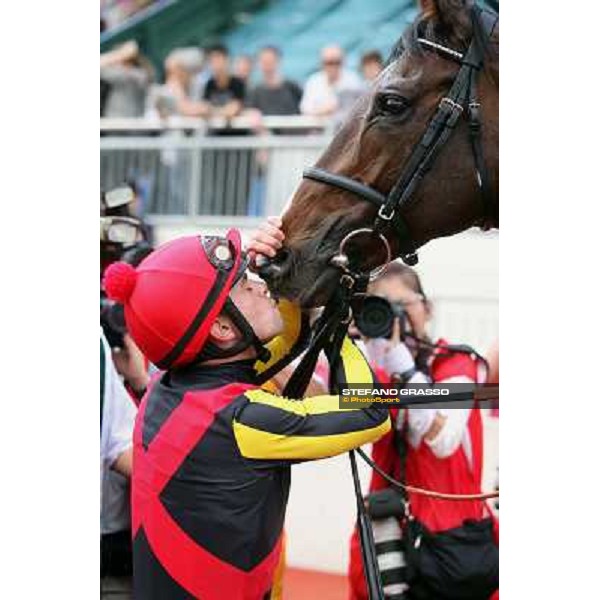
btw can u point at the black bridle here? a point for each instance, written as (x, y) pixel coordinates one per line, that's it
(460, 99)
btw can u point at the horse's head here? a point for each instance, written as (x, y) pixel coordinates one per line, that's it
(374, 146)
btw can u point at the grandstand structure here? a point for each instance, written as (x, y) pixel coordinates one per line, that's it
(299, 27)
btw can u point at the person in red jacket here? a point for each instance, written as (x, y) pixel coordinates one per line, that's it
(212, 449)
(444, 447)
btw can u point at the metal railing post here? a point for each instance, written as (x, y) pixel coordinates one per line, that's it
(195, 174)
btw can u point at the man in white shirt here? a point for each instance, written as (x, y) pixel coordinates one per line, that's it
(117, 416)
(333, 89)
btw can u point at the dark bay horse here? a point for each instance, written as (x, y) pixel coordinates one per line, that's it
(375, 147)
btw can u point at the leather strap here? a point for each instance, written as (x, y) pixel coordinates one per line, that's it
(345, 183)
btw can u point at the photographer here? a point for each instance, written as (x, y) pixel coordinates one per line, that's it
(439, 449)
(123, 236)
(117, 415)
(123, 380)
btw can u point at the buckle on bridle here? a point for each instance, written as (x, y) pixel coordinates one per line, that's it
(454, 106)
(383, 215)
(474, 116)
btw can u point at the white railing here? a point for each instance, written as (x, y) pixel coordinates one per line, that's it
(189, 173)
(293, 122)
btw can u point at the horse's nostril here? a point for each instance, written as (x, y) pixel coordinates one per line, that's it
(271, 269)
(282, 256)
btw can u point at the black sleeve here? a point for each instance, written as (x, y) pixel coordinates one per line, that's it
(296, 91)
(208, 89)
(238, 88)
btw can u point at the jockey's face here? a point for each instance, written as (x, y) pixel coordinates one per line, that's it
(253, 300)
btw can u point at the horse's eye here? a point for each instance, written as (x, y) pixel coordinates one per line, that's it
(392, 104)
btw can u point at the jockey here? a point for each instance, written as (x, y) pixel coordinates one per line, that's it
(212, 449)
(443, 447)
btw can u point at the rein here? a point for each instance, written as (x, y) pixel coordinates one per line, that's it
(422, 491)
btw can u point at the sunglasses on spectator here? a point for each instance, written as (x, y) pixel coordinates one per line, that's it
(332, 63)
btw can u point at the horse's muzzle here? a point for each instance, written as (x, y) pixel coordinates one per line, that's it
(273, 270)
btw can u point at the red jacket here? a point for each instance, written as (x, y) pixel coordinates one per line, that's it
(453, 474)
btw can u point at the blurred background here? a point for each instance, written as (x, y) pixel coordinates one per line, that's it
(209, 112)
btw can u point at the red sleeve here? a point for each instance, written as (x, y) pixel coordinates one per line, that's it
(385, 455)
(454, 365)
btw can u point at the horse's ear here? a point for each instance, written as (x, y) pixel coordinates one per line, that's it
(428, 8)
(452, 17)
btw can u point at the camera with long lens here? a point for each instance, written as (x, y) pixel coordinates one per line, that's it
(376, 317)
(112, 316)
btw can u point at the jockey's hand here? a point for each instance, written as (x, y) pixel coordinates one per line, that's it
(266, 241)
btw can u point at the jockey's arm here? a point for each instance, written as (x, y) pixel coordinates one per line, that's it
(269, 428)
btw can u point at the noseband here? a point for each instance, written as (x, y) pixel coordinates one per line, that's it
(461, 99)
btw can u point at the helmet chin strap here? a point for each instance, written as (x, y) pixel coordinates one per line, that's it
(249, 338)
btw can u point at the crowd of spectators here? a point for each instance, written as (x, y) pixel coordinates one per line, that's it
(209, 82)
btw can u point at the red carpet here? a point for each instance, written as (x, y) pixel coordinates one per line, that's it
(300, 584)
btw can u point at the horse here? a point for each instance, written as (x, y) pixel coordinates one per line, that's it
(405, 159)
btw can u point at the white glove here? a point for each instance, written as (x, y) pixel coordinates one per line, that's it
(376, 349)
(391, 357)
(398, 359)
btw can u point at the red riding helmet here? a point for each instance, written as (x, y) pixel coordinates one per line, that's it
(174, 296)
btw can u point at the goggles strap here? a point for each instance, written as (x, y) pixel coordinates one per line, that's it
(249, 338)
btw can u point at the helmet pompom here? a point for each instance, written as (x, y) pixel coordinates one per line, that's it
(119, 281)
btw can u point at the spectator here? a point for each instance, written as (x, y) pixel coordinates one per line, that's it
(274, 95)
(224, 92)
(128, 76)
(173, 97)
(332, 89)
(243, 67)
(200, 78)
(117, 416)
(371, 64)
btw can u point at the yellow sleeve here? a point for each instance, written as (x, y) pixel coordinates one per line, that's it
(269, 427)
